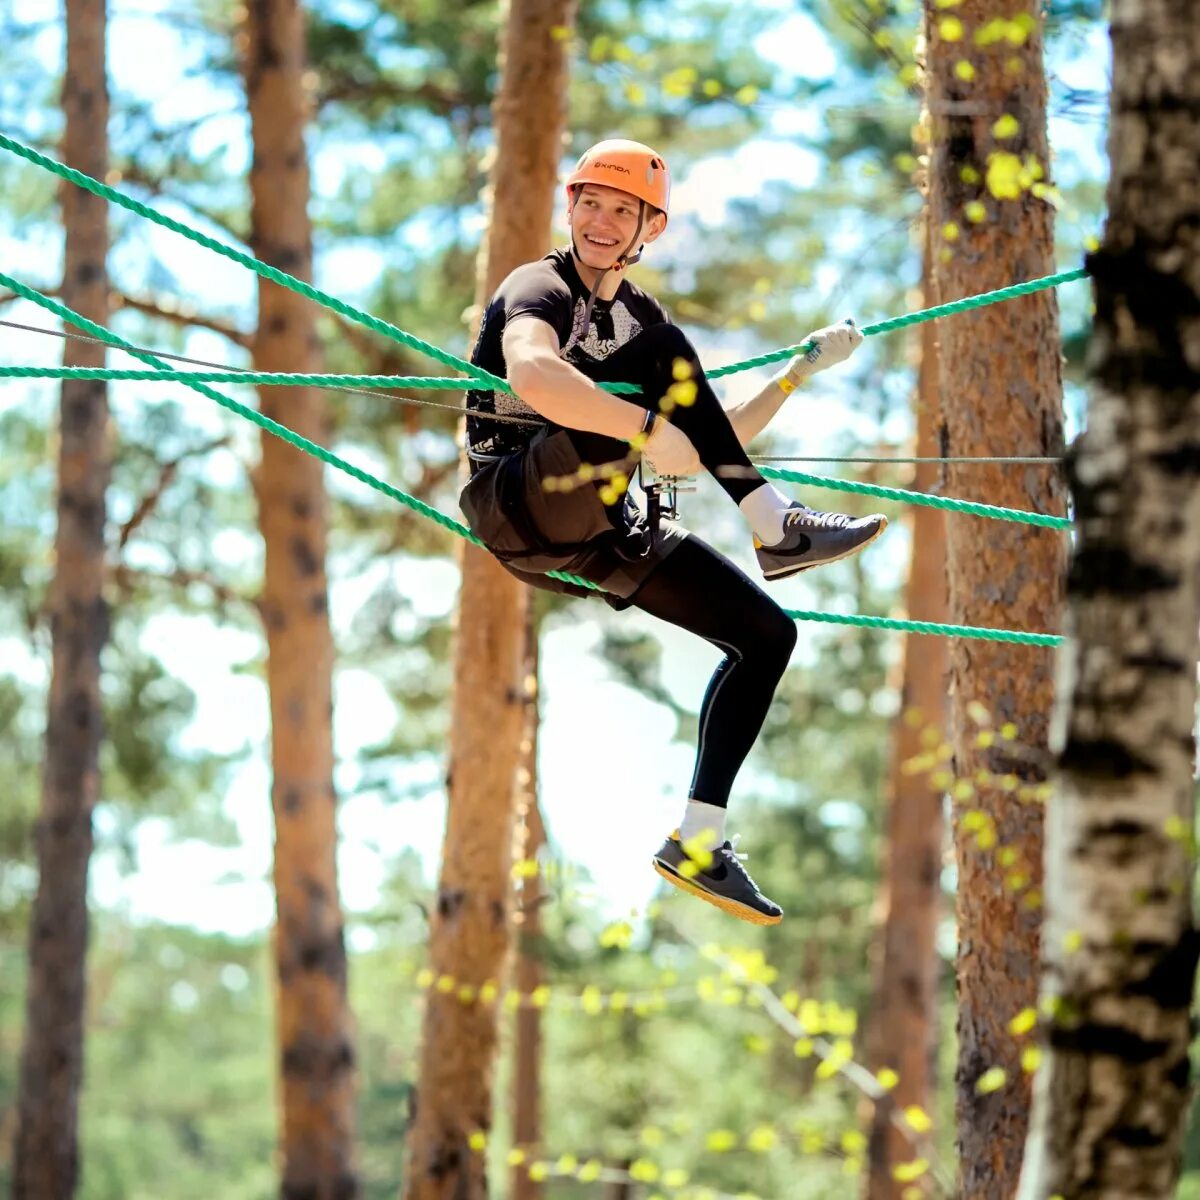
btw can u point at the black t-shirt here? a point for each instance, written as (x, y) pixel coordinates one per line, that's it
(551, 290)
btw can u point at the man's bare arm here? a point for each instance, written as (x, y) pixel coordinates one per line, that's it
(557, 390)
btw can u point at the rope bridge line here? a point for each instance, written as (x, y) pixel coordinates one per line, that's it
(328, 457)
(243, 373)
(198, 382)
(477, 374)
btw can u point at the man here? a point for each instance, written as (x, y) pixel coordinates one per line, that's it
(547, 488)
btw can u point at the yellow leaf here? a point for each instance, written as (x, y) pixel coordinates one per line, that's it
(1003, 174)
(721, 1140)
(968, 174)
(1031, 1059)
(951, 29)
(1007, 126)
(515, 1157)
(477, 1140)
(566, 1164)
(643, 1170)
(803, 1048)
(950, 231)
(918, 1119)
(1023, 1022)
(746, 95)
(539, 1171)
(907, 1172)
(590, 1171)
(761, 1139)
(887, 1078)
(1072, 941)
(675, 1178)
(992, 1080)
(965, 70)
(853, 1142)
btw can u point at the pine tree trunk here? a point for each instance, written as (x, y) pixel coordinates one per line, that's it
(529, 974)
(470, 935)
(46, 1154)
(316, 1054)
(1000, 371)
(1121, 949)
(904, 1022)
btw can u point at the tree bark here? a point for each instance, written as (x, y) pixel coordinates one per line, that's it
(529, 973)
(1121, 948)
(46, 1154)
(1001, 385)
(904, 1022)
(470, 935)
(316, 1053)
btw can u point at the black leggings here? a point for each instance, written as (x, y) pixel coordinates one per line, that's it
(701, 591)
(648, 360)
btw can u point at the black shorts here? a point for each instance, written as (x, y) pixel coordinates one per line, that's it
(532, 530)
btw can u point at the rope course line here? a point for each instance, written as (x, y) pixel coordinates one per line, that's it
(334, 460)
(991, 511)
(394, 333)
(876, 459)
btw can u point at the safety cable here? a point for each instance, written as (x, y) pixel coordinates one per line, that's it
(58, 373)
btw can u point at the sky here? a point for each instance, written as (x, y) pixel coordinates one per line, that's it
(608, 819)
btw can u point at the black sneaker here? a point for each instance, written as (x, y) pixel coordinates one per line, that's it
(812, 538)
(718, 877)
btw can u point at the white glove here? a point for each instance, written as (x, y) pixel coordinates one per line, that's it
(831, 345)
(669, 451)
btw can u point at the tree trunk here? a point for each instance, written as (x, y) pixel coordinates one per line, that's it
(904, 1024)
(46, 1154)
(316, 1054)
(1000, 371)
(1121, 949)
(469, 938)
(529, 973)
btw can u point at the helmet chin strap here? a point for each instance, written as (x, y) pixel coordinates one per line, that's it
(624, 259)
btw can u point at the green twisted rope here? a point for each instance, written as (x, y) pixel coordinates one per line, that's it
(388, 330)
(456, 527)
(256, 265)
(992, 511)
(917, 317)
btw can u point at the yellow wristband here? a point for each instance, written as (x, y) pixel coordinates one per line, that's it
(786, 385)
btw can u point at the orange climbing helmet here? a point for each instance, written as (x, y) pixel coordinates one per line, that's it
(628, 166)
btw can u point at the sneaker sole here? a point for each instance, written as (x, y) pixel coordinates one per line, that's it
(784, 572)
(732, 907)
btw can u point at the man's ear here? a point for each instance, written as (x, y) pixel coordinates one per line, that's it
(654, 226)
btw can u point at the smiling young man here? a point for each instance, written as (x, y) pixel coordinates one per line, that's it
(554, 329)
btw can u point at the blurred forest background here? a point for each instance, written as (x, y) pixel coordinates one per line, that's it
(675, 1050)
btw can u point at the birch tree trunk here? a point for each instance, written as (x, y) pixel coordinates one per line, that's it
(904, 1021)
(316, 1054)
(1121, 948)
(46, 1153)
(471, 935)
(1001, 385)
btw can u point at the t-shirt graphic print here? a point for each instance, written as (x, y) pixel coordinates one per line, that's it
(550, 290)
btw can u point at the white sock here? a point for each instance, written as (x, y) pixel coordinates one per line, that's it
(763, 509)
(700, 818)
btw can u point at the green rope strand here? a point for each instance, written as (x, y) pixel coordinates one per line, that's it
(992, 511)
(916, 318)
(396, 334)
(249, 261)
(233, 375)
(249, 414)
(456, 527)
(963, 631)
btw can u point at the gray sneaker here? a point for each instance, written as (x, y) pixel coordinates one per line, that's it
(719, 878)
(812, 538)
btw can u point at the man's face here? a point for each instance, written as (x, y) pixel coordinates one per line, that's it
(604, 221)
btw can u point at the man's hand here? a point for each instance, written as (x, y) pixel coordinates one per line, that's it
(669, 451)
(831, 345)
